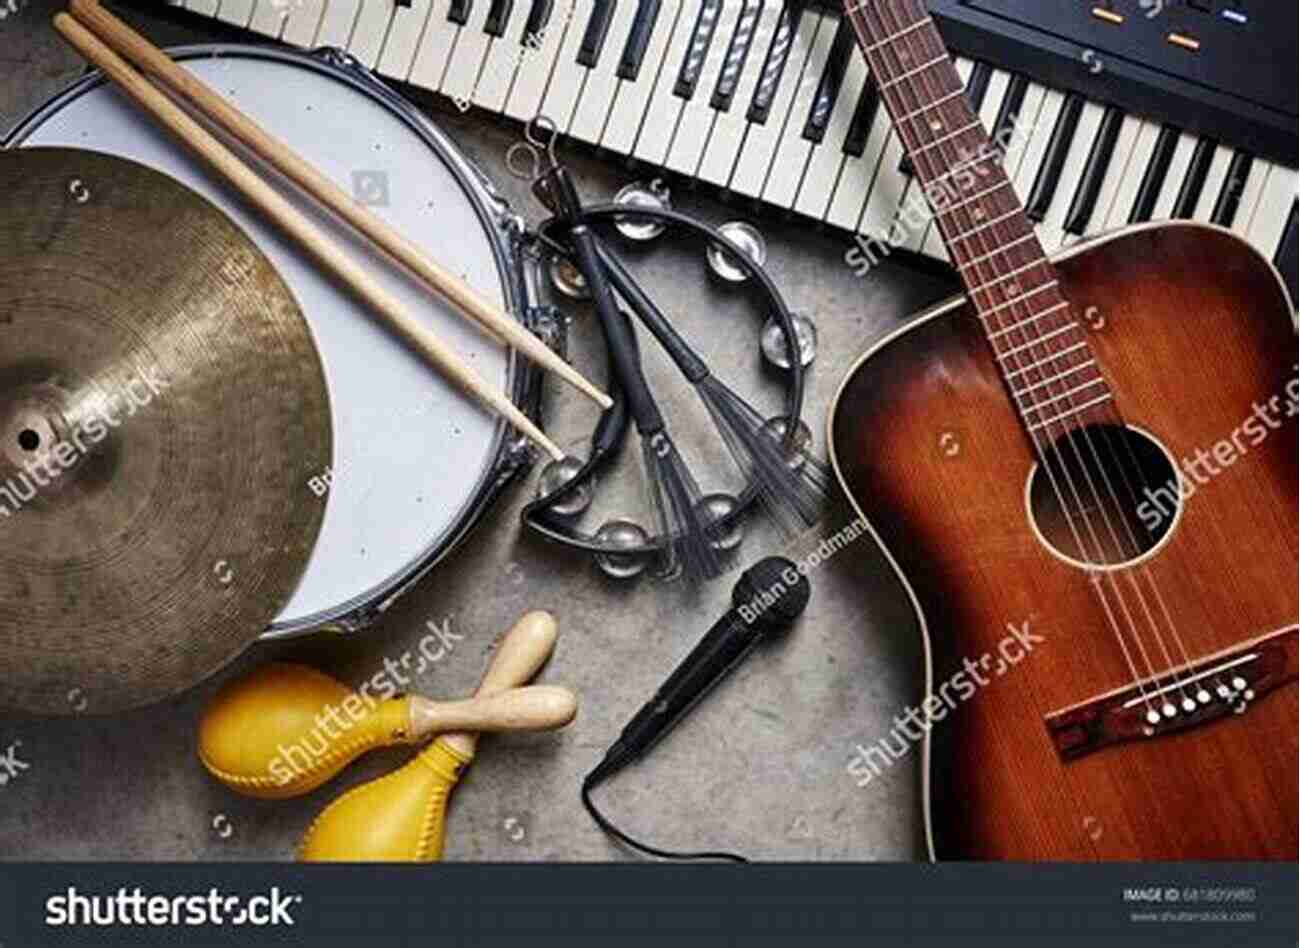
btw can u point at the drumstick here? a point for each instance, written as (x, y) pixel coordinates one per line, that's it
(153, 61)
(296, 225)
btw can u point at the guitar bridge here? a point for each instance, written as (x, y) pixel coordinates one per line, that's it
(1223, 684)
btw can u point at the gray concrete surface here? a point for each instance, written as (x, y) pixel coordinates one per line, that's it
(759, 768)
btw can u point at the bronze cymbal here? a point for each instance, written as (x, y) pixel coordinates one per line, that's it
(162, 409)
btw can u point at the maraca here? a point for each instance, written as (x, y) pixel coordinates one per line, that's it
(401, 817)
(286, 729)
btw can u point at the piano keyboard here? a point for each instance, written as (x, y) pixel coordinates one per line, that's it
(773, 101)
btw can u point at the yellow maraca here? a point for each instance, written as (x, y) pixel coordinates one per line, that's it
(285, 729)
(401, 817)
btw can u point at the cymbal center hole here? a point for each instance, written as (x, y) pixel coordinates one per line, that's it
(29, 440)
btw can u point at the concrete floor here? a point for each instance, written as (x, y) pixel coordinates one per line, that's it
(759, 768)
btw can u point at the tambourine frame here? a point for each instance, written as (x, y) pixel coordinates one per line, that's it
(612, 428)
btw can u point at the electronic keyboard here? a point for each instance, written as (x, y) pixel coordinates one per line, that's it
(1111, 113)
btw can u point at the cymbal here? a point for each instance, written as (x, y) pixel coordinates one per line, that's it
(162, 409)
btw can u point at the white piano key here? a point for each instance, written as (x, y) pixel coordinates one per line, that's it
(435, 48)
(1177, 173)
(786, 171)
(568, 75)
(697, 116)
(632, 98)
(602, 84)
(880, 211)
(828, 157)
(1114, 179)
(1214, 179)
(1122, 206)
(409, 24)
(663, 109)
(859, 174)
(303, 25)
(1035, 148)
(206, 8)
(270, 17)
(1250, 198)
(524, 100)
(1051, 230)
(761, 141)
(506, 56)
(336, 26)
(1273, 210)
(468, 55)
(729, 126)
(370, 31)
(1017, 143)
(236, 12)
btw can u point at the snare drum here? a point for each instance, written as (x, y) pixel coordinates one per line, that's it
(416, 462)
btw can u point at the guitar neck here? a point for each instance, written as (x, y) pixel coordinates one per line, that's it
(1041, 350)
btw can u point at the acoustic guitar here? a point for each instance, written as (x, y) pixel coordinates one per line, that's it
(1084, 474)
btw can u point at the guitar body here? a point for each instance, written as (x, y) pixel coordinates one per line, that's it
(1193, 329)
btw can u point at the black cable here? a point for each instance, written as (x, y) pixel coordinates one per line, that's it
(615, 760)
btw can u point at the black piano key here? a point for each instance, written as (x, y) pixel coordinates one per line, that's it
(706, 23)
(1004, 127)
(828, 88)
(1225, 208)
(1189, 195)
(538, 18)
(1154, 177)
(1094, 172)
(778, 54)
(643, 26)
(497, 18)
(1285, 260)
(977, 87)
(1058, 148)
(864, 116)
(459, 11)
(593, 40)
(737, 52)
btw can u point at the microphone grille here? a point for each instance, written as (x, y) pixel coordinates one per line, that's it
(773, 591)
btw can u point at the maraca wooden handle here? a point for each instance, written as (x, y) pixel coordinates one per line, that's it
(535, 708)
(522, 653)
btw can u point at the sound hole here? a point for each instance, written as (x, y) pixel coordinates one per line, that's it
(1105, 496)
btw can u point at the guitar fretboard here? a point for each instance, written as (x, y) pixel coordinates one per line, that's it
(1041, 349)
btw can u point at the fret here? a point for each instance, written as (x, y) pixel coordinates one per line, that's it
(975, 197)
(951, 135)
(888, 39)
(1049, 358)
(1003, 356)
(1024, 322)
(1003, 249)
(933, 105)
(1054, 380)
(1015, 212)
(914, 72)
(1038, 426)
(1006, 276)
(1039, 406)
(985, 314)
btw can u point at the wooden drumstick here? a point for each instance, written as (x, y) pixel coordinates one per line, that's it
(297, 226)
(286, 729)
(149, 58)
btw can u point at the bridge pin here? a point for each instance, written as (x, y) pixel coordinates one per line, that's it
(1153, 716)
(1249, 694)
(1224, 692)
(1169, 710)
(1189, 705)
(1239, 683)
(1203, 696)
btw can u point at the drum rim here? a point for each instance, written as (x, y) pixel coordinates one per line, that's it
(504, 459)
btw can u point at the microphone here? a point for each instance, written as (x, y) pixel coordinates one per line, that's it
(768, 597)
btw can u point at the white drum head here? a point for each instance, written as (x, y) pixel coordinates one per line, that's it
(412, 454)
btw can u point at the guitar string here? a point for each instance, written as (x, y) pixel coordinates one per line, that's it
(907, 29)
(1172, 668)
